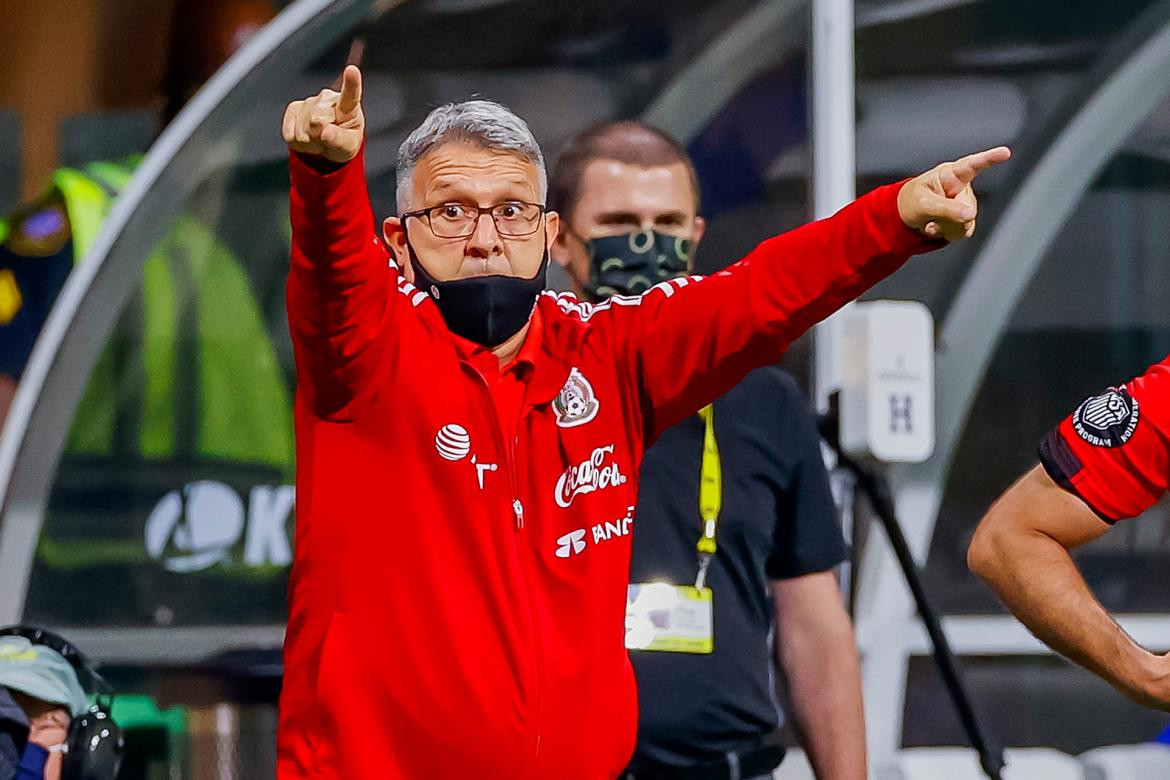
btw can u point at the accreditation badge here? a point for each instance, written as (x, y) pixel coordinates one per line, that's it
(669, 618)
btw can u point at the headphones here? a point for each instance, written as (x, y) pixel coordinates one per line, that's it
(94, 745)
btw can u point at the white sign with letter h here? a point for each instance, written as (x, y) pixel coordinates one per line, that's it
(887, 388)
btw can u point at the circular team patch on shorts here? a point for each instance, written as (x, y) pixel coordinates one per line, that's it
(1107, 420)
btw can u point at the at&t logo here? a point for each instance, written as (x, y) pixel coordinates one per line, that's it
(453, 443)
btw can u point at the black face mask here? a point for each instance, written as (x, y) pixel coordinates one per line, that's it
(488, 310)
(632, 263)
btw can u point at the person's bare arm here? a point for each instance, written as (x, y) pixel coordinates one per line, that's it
(1021, 549)
(815, 648)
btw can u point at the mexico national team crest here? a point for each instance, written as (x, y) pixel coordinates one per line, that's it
(1107, 420)
(575, 404)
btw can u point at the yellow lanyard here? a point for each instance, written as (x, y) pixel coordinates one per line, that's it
(710, 494)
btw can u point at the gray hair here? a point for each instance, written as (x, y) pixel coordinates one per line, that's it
(480, 122)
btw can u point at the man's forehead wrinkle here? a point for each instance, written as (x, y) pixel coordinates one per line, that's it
(451, 182)
(472, 159)
(480, 173)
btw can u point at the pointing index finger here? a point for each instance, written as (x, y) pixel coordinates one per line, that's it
(967, 168)
(351, 90)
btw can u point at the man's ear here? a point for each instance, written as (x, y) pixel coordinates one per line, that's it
(700, 229)
(697, 236)
(395, 237)
(558, 247)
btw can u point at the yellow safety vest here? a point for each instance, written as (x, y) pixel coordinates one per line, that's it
(240, 409)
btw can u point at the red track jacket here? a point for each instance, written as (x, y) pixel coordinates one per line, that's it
(457, 600)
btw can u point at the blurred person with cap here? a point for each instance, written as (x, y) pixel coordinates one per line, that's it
(468, 446)
(739, 491)
(40, 694)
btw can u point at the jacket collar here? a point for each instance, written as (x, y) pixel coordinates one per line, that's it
(550, 339)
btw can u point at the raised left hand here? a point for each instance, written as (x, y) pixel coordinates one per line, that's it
(940, 203)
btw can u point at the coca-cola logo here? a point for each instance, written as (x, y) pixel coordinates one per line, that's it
(589, 475)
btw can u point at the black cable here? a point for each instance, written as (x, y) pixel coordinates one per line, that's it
(876, 489)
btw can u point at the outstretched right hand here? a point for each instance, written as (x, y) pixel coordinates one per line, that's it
(330, 124)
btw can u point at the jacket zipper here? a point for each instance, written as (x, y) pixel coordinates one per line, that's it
(518, 513)
(540, 671)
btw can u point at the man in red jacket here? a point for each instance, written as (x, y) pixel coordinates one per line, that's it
(467, 446)
(1106, 462)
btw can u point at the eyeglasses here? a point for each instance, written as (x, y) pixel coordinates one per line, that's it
(456, 220)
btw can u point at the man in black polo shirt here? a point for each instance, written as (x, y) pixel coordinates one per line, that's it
(705, 653)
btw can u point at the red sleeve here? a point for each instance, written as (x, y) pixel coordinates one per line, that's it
(1114, 451)
(688, 341)
(340, 285)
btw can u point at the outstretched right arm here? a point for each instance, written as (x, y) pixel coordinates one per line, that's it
(341, 279)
